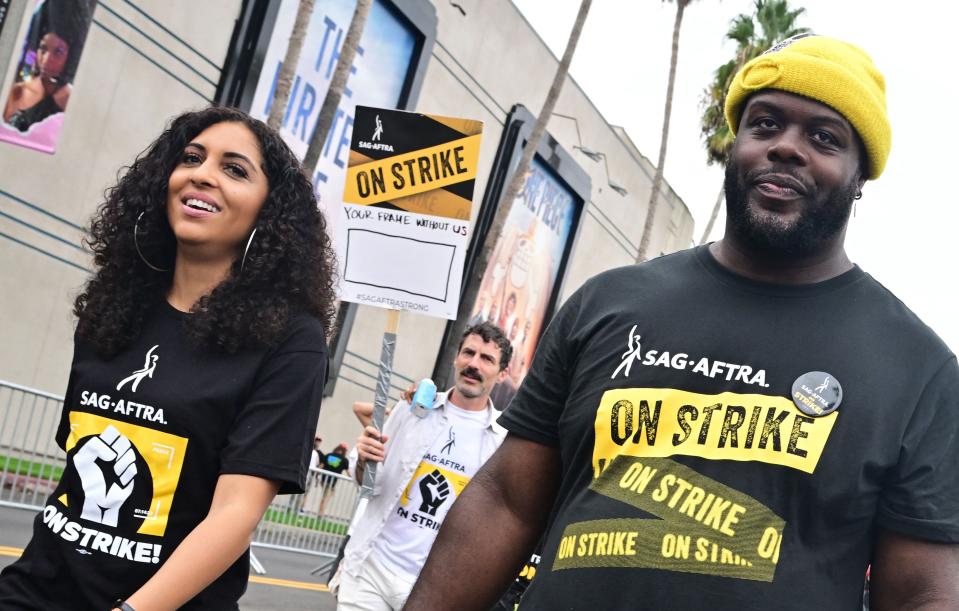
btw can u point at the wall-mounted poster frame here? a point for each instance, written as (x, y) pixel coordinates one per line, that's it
(527, 269)
(4, 13)
(398, 42)
(45, 65)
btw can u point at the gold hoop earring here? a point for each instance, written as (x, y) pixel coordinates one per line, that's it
(136, 245)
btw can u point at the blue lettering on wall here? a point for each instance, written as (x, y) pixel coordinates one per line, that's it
(546, 199)
(330, 27)
(303, 105)
(377, 79)
(307, 102)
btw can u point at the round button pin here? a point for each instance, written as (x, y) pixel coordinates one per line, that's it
(817, 393)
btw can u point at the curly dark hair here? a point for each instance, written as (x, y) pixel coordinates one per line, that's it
(490, 332)
(290, 267)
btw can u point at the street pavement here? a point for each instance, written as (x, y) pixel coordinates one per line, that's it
(286, 586)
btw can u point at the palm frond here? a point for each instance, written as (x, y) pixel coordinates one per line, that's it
(776, 21)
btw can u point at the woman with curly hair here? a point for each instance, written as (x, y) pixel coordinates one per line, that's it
(199, 364)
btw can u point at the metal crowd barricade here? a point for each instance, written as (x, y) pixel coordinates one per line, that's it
(314, 522)
(31, 465)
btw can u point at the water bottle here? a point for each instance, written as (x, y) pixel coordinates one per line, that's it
(423, 398)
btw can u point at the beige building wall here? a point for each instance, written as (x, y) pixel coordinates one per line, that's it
(136, 74)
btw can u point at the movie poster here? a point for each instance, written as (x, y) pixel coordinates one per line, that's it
(523, 270)
(379, 72)
(35, 105)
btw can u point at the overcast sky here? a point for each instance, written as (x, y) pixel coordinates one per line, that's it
(904, 231)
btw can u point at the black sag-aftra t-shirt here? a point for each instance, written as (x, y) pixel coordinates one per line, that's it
(697, 471)
(147, 433)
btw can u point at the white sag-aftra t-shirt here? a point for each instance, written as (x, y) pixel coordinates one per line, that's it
(443, 472)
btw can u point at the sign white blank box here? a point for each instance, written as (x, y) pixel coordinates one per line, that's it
(394, 262)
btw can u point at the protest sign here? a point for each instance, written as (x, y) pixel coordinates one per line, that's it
(402, 236)
(385, 60)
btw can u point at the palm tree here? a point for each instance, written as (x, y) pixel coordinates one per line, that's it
(776, 22)
(333, 95)
(337, 84)
(512, 190)
(642, 255)
(284, 81)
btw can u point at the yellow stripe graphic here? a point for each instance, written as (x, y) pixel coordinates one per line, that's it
(163, 453)
(411, 173)
(664, 422)
(467, 127)
(703, 526)
(356, 158)
(457, 480)
(438, 202)
(288, 583)
(16, 552)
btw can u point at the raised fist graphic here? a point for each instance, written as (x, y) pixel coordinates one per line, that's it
(435, 489)
(102, 504)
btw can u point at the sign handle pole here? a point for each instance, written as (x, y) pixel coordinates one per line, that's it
(382, 392)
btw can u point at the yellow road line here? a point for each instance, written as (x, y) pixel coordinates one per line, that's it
(270, 581)
(287, 583)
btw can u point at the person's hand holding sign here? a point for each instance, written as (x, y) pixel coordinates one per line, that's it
(371, 445)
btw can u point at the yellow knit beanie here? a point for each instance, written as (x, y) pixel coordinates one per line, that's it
(827, 70)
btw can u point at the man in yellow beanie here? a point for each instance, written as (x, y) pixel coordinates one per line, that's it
(741, 426)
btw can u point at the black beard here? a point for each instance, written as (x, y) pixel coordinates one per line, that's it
(823, 217)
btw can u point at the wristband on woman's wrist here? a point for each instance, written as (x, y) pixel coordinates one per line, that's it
(123, 605)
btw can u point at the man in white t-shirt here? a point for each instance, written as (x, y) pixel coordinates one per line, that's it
(428, 457)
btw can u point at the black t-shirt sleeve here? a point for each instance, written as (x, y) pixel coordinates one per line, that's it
(272, 434)
(63, 428)
(535, 410)
(921, 495)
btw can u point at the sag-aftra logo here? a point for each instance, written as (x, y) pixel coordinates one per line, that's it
(710, 368)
